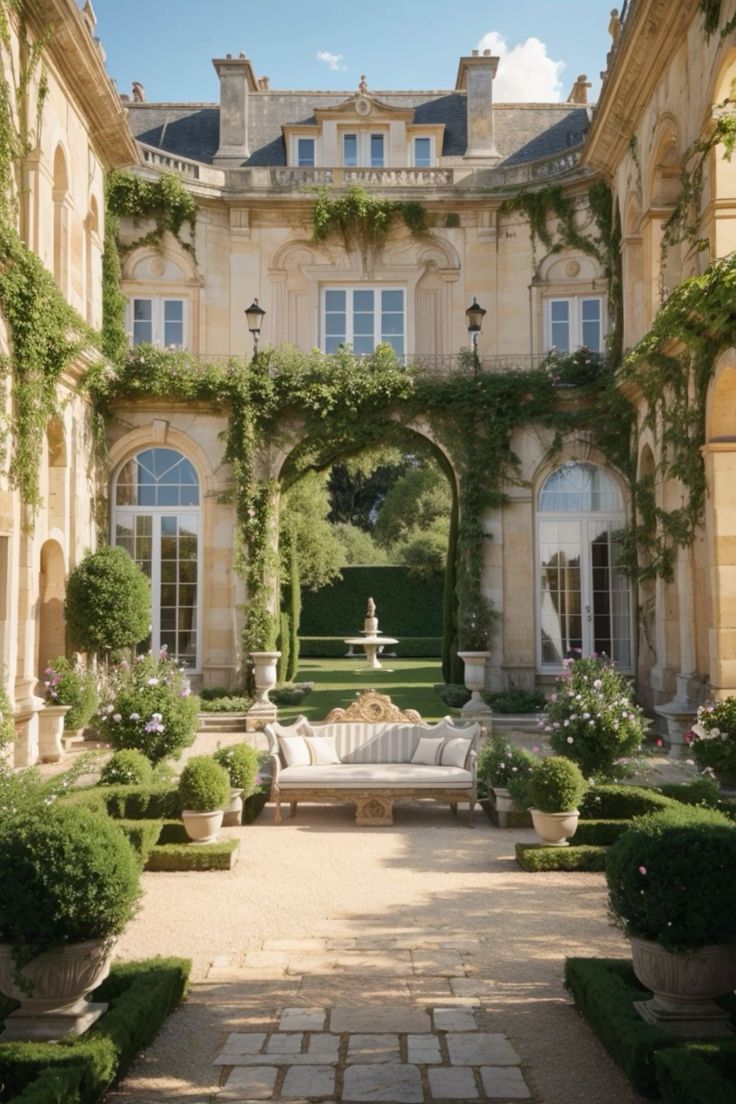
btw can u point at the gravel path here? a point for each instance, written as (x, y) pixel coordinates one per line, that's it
(428, 885)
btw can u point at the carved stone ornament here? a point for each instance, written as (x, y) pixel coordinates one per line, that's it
(371, 706)
(363, 106)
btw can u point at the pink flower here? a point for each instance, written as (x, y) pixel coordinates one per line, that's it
(642, 870)
(660, 742)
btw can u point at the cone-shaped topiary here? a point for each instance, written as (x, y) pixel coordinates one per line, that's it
(556, 785)
(128, 767)
(68, 875)
(204, 785)
(671, 878)
(241, 763)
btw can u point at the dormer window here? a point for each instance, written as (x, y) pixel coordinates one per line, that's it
(422, 153)
(305, 152)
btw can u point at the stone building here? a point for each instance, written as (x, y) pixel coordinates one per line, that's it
(253, 161)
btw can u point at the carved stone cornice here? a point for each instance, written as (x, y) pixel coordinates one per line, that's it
(650, 38)
(77, 58)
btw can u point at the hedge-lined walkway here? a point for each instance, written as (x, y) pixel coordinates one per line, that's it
(397, 924)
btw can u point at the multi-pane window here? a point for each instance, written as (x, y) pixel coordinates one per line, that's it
(584, 596)
(574, 322)
(305, 152)
(157, 521)
(158, 322)
(363, 149)
(350, 150)
(363, 318)
(422, 153)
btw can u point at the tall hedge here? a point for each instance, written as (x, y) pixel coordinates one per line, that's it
(406, 605)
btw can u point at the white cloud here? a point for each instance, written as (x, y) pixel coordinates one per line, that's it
(525, 72)
(332, 61)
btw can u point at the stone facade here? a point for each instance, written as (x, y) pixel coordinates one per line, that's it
(251, 161)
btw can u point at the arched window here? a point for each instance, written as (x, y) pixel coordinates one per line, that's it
(584, 598)
(156, 518)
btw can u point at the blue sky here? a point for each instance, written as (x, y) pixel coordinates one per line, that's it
(168, 44)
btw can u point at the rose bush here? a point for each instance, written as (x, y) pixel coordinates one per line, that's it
(592, 718)
(148, 705)
(713, 739)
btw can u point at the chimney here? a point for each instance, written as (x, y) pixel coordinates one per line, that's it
(475, 77)
(236, 81)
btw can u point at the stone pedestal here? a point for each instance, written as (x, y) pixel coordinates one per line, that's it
(680, 714)
(475, 680)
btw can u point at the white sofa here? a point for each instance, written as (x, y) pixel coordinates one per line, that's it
(368, 754)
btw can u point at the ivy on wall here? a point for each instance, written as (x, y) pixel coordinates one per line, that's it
(363, 220)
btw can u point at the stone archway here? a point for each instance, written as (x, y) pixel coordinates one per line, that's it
(51, 620)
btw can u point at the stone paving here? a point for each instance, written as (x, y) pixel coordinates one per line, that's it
(432, 1045)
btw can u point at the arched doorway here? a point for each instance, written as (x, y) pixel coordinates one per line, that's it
(157, 520)
(584, 599)
(51, 622)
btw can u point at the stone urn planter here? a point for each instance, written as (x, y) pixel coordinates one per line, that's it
(202, 827)
(475, 680)
(554, 829)
(265, 675)
(234, 811)
(51, 733)
(685, 986)
(59, 982)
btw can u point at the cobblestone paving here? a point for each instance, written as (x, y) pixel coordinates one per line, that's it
(426, 1044)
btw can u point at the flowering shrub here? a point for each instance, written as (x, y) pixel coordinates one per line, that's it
(68, 684)
(713, 741)
(500, 764)
(578, 369)
(127, 767)
(148, 705)
(671, 877)
(591, 717)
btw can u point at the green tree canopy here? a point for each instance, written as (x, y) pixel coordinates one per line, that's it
(415, 502)
(108, 602)
(304, 511)
(358, 546)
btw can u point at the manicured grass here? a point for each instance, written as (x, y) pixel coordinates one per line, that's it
(408, 682)
(175, 852)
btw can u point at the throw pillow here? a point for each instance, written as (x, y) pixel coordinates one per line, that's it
(294, 750)
(455, 752)
(428, 750)
(322, 750)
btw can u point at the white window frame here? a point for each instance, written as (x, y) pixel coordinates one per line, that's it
(157, 318)
(432, 155)
(349, 290)
(363, 147)
(575, 323)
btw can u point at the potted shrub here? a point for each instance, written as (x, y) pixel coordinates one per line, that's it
(70, 885)
(713, 739)
(241, 763)
(504, 772)
(671, 889)
(555, 790)
(127, 768)
(591, 717)
(204, 791)
(148, 705)
(67, 683)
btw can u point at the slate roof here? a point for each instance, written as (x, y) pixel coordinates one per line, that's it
(523, 132)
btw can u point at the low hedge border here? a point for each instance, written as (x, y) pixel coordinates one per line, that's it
(174, 852)
(334, 647)
(141, 996)
(619, 802)
(157, 802)
(535, 858)
(143, 835)
(600, 833)
(697, 1073)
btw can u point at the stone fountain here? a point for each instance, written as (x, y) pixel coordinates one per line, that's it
(371, 639)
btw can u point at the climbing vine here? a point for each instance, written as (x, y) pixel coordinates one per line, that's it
(362, 219)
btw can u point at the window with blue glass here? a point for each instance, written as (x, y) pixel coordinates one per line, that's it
(363, 318)
(574, 322)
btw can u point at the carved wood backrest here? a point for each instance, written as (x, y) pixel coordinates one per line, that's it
(375, 708)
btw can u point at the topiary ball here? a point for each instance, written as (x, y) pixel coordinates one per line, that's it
(127, 768)
(67, 875)
(671, 878)
(241, 763)
(204, 786)
(556, 785)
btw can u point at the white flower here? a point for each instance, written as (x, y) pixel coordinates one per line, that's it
(117, 717)
(152, 681)
(135, 716)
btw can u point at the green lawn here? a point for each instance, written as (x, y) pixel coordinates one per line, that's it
(408, 682)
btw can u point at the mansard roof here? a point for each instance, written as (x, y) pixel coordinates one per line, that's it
(523, 132)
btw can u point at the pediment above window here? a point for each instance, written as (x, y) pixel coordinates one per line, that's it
(364, 107)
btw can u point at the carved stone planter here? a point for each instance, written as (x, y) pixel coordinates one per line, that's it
(554, 829)
(685, 986)
(51, 733)
(60, 981)
(475, 680)
(202, 827)
(265, 675)
(234, 811)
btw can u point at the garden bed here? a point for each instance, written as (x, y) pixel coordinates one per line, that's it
(605, 991)
(174, 851)
(535, 858)
(79, 1071)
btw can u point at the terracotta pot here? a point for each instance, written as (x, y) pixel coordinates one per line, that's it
(59, 982)
(554, 829)
(685, 985)
(234, 811)
(202, 827)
